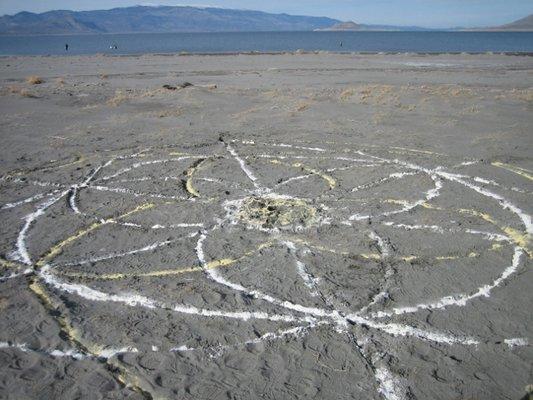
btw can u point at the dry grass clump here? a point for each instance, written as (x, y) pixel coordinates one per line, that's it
(406, 107)
(372, 94)
(302, 106)
(346, 94)
(244, 113)
(28, 94)
(274, 93)
(299, 107)
(21, 91)
(153, 93)
(119, 98)
(447, 91)
(170, 113)
(34, 80)
(378, 95)
(366, 94)
(379, 118)
(13, 89)
(122, 96)
(470, 110)
(522, 94)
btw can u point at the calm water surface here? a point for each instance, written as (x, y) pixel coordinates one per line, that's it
(434, 42)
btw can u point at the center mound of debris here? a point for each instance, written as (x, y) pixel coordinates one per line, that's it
(276, 212)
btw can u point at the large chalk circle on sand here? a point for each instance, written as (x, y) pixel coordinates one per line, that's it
(223, 250)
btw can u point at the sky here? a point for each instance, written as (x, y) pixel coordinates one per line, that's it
(428, 13)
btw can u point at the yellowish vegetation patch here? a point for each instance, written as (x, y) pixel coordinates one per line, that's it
(13, 89)
(346, 94)
(21, 91)
(119, 98)
(175, 112)
(27, 93)
(302, 106)
(34, 80)
(447, 91)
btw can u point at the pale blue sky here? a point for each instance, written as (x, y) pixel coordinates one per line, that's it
(430, 13)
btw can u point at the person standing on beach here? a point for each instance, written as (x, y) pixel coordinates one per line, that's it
(66, 46)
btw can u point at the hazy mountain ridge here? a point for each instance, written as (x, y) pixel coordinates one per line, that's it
(524, 24)
(157, 19)
(521, 25)
(165, 19)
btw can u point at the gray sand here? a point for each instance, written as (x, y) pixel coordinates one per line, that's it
(288, 227)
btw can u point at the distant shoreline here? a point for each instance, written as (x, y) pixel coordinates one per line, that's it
(278, 53)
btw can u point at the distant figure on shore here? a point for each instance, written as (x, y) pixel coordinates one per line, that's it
(66, 46)
(341, 44)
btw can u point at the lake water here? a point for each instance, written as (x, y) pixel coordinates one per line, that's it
(419, 42)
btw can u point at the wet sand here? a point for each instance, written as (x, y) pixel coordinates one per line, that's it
(285, 227)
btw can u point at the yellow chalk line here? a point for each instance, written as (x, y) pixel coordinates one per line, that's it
(79, 159)
(58, 248)
(64, 324)
(223, 262)
(379, 257)
(522, 239)
(121, 373)
(407, 203)
(415, 151)
(190, 173)
(397, 201)
(517, 170)
(429, 206)
(9, 264)
(329, 179)
(198, 165)
(319, 247)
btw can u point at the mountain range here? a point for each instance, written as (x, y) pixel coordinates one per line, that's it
(524, 24)
(164, 19)
(157, 19)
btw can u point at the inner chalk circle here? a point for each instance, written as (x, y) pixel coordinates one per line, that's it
(276, 212)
